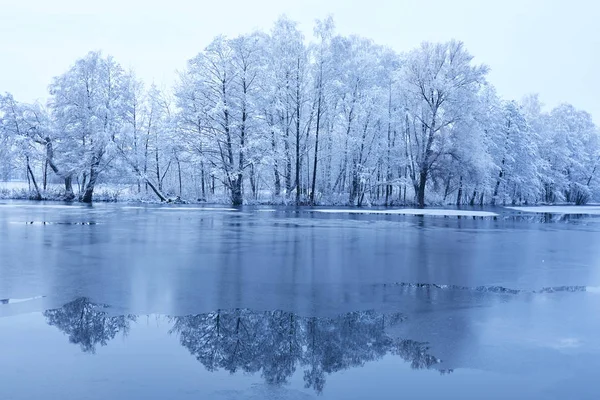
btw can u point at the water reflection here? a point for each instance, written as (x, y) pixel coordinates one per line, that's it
(274, 344)
(88, 324)
(549, 218)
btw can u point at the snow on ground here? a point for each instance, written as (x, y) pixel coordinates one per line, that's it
(196, 209)
(560, 209)
(412, 211)
(41, 205)
(11, 301)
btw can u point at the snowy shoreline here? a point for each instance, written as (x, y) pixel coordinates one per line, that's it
(186, 205)
(562, 209)
(412, 211)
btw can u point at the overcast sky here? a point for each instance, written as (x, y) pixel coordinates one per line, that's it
(550, 47)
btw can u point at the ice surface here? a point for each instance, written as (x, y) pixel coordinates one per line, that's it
(13, 301)
(507, 298)
(40, 206)
(196, 209)
(412, 211)
(560, 209)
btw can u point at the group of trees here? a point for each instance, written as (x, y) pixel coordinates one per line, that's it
(274, 117)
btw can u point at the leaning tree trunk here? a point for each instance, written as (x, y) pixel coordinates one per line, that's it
(69, 195)
(38, 194)
(91, 183)
(142, 175)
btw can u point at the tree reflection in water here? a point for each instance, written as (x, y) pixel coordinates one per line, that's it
(277, 343)
(274, 343)
(87, 324)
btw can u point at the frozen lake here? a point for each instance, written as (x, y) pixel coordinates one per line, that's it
(187, 302)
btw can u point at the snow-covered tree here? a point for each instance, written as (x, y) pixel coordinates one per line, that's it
(88, 107)
(441, 83)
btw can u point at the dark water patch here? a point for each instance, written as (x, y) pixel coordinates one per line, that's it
(549, 218)
(84, 223)
(555, 289)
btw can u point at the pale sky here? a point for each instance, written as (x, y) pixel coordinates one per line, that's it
(550, 47)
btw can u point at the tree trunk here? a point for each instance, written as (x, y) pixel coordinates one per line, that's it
(179, 176)
(288, 170)
(288, 157)
(38, 195)
(298, 133)
(156, 158)
(460, 192)
(46, 175)
(314, 175)
(404, 185)
(28, 178)
(277, 179)
(236, 191)
(69, 195)
(275, 163)
(472, 201)
(497, 187)
(203, 180)
(146, 154)
(421, 189)
(253, 182)
(89, 187)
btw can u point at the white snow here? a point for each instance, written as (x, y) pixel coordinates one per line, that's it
(12, 301)
(167, 208)
(413, 211)
(44, 206)
(196, 209)
(560, 209)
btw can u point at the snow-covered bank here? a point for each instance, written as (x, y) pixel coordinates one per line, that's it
(12, 301)
(413, 211)
(178, 208)
(589, 210)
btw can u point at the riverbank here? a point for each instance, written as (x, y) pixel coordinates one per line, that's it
(128, 194)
